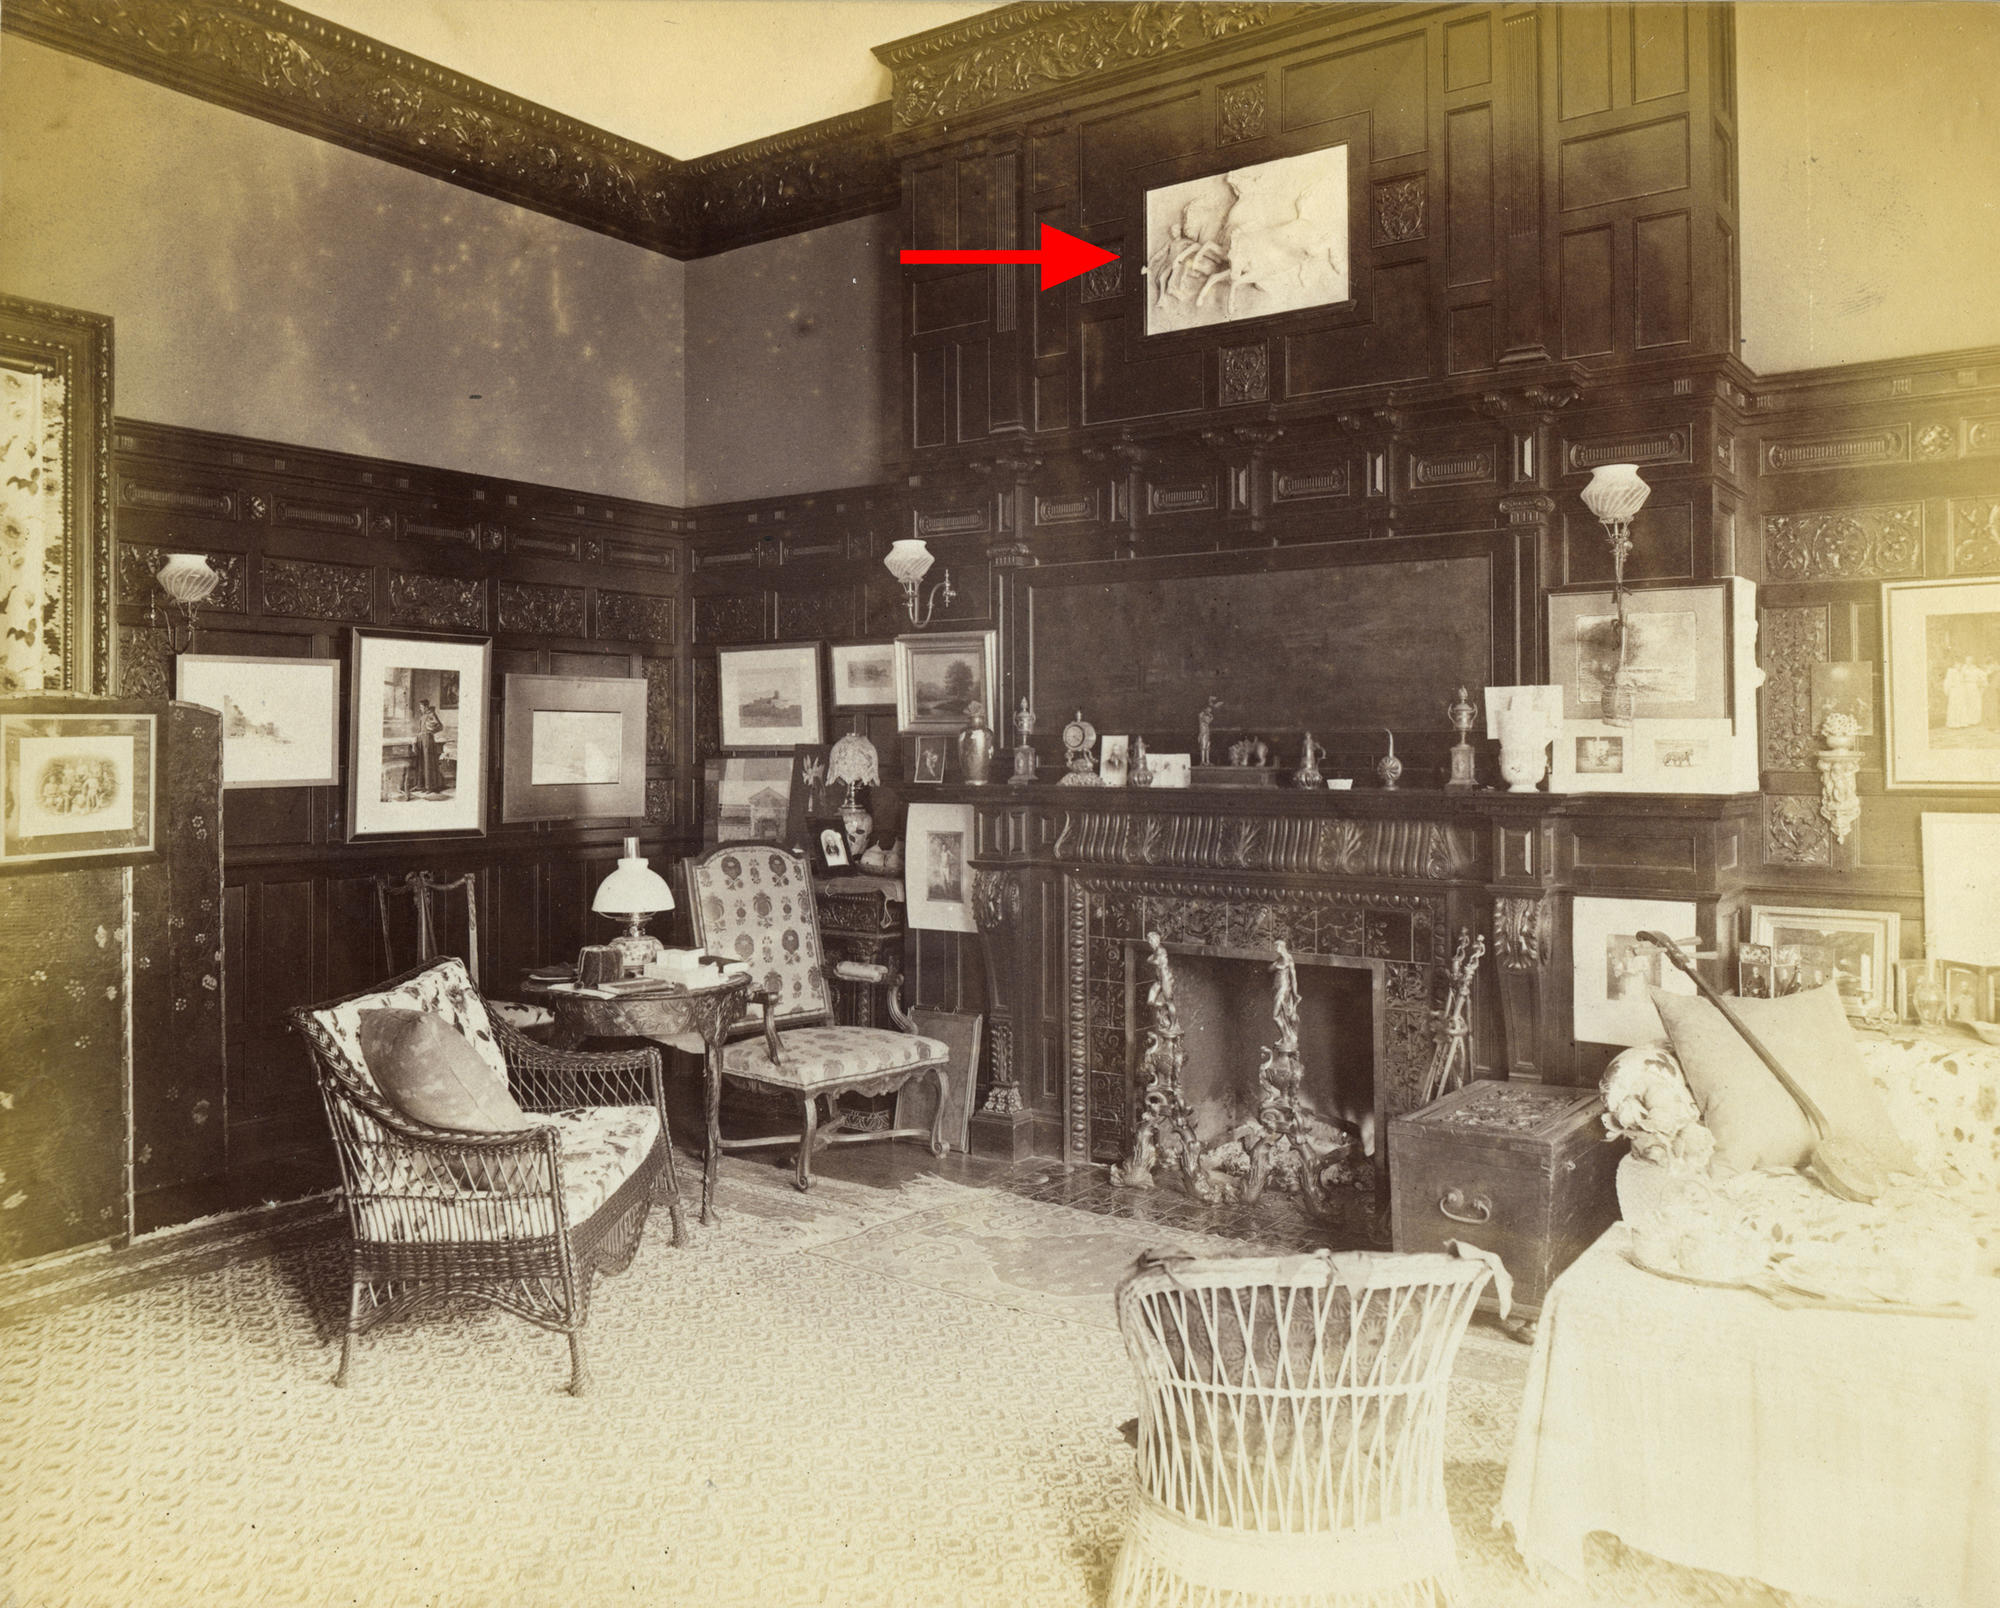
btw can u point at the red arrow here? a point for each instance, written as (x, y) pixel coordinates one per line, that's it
(1062, 256)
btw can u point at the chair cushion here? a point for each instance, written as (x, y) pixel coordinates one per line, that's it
(826, 1057)
(443, 988)
(755, 906)
(428, 1070)
(522, 1018)
(1756, 1123)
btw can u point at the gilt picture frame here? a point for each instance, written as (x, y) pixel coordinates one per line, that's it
(280, 716)
(76, 786)
(572, 748)
(770, 697)
(417, 755)
(940, 675)
(1941, 685)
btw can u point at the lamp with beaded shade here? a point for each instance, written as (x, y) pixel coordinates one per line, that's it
(854, 762)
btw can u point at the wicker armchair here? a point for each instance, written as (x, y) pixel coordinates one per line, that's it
(1291, 1440)
(522, 1220)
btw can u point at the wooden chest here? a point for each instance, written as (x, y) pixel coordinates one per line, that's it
(1519, 1169)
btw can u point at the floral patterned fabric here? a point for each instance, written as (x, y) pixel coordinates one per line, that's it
(1943, 1096)
(819, 1057)
(444, 989)
(753, 904)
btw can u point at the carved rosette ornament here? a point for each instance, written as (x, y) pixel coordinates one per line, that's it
(1521, 933)
(1399, 210)
(1851, 543)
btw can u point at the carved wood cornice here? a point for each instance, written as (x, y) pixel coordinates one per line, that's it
(1432, 851)
(275, 62)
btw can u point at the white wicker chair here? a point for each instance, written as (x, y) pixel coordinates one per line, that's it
(1291, 1439)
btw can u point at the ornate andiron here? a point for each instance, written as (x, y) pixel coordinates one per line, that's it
(1166, 1120)
(1839, 803)
(1025, 762)
(1462, 712)
(1280, 1142)
(1451, 1060)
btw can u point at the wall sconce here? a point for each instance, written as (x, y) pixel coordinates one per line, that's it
(190, 580)
(909, 560)
(1614, 495)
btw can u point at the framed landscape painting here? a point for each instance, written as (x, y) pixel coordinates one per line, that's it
(941, 677)
(77, 786)
(864, 674)
(770, 696)
(573, 747)
(416, 734)
(280, 717)
(1941, 674)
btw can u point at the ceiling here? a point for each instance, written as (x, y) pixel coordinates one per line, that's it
(685, 77)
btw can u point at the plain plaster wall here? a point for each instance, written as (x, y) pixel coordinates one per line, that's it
(1871, 179)
(268, 284)
(792, 363)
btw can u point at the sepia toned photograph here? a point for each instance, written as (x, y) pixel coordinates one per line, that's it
(1600, 756)
(1941, 673)
(416, 734)
(1846, 687)
(280, 717)
(864, 674)
(1855, 950)
(750, 798)
(927, 758)
(1613, 973)
(942, 678)
(770, 696)
(77, 786)
(937, 868)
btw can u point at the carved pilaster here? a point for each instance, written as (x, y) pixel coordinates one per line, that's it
(996, 911)
(1523, 942)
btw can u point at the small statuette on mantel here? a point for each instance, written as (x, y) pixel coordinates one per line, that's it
(1308, 773)
(1464, 762)
(1389, 768)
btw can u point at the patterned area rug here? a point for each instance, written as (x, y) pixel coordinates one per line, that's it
(858, 1397)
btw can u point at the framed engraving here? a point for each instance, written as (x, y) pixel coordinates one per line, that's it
(937, 872)
(1941, 676)
(1613, 972)
(280, 717)
(416, 734)
(77, 786)
(770, 697)
(864, 674)
(572, 748)
(1677, 650)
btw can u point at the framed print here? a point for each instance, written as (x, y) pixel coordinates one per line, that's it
(940, 676)
(1648, 756)
(927, 758)
(937, 874)
(1844, 687)
(1613, 971)
(831, 843)
(1678, 648)
(77, 786)
(917, 1100)
(864, 674)
(770, 696)
(416, 734)
(280, 717)
(1248, 243)
(1854, 949)
(1171, 770)
(1962, 887)
(747, 799)
(1941, 684)
(572, 747)
(1114, 760)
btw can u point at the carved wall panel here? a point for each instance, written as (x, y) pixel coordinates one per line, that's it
(437, 602)
(659, 711)
(635, 617)
(820, 614)
(1790, 641)
(1794, 833)
(540, 610)
(1975, 536)
(1848, 544)
(145, 663)
(1399, 210)
(707, 710)
(727, 617)
(316, 591)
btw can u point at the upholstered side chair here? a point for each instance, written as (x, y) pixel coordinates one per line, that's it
(522, 1219)
(752, 904)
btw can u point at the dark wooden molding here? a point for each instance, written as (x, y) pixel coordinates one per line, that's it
(278, 63)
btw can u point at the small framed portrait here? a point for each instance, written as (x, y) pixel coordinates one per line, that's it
(927, 757)
(1600, 756)
(77, 786)
(1675, 650)
(280, 717)
(1941, 674)
(832, 846)
(572, 747)
(416, 734)
(1855, 950)
(864, 674)
(1114, 760)
(1614, 972)
(937, 868)
(770, 696)
(1171, 770)
(941, 677)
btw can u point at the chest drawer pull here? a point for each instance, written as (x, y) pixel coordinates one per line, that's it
(1455, 1205)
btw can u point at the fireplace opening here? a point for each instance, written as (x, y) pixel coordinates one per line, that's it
(1225, 1002)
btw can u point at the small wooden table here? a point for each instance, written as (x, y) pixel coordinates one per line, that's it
(695, 1020)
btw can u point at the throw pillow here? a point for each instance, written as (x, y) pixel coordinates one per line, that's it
(1755, 1121)
(428, 1070)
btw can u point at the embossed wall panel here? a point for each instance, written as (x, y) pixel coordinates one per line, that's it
(1624, 164)
(1663, 291)
(1468, 53)
(1659, 49)
(1583, 45)
(1468, 145)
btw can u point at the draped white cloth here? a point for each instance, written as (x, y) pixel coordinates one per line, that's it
(1850, 1456)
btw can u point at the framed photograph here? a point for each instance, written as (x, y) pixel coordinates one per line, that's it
(937, 871)
(572, 747)
(864, 674)
(77, 786)
(416, 734)
(1844, 687)
(941, 676)
(1114, 760)
(280, 717)
(831, 844)
(746, 799)
(1613, 971)
(927, 758)
(1941, 677)
(1856, 950)
(1967, 991)
(1677, 650)
(1171, 770)
(770, 696)
(1248, 243)
(1962, 887)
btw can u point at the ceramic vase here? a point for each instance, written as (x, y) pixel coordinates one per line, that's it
(975, 750)
(857, 823)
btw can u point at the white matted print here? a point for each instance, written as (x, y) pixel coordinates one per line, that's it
(77, 785)
(1613, 972)
(1171, 770)
(1962, 887)
(1248, 243)
(937, 867)
(864, 674)
(416, 743)
(280, 717)
(770, 696)
(1941, 659)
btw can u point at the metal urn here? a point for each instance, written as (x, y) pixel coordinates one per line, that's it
(975, 747)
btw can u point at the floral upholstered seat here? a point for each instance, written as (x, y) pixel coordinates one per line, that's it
(752, 904)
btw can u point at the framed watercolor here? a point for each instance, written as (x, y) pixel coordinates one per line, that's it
(927, 758)
(280, 717)
(1941, 684)
(940, 676)
(76, 786)
(572, 747)
(937, 871)
(1678, 650)
(1962, 887)
(864, 674)
(416, 734)
(770, 697)
(1613, 972)
(1248, 243)
(747, 798)
(1854, 949)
